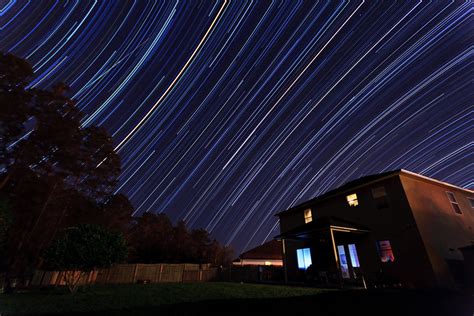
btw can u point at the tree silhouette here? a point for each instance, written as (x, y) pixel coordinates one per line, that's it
(54, 171)
(85, 248)
(153, 239)
(150, 239)
(15, 109)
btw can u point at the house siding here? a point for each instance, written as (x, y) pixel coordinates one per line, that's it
(419, 222)
(441, 229)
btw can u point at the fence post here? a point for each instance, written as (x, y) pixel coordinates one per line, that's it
(107, 275)
(157, 274)
(135, 274)
(161, 273)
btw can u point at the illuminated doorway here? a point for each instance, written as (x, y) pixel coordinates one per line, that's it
(349, 266)
(343, 262)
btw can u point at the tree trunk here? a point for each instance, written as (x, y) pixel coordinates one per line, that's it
(56, 227)
(5, 180)
(10, 275)
(73, 281)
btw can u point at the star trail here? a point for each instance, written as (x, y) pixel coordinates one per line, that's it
(227, 112)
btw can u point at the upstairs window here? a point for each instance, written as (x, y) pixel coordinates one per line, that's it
(308, 216)
(385, 251)
(379, 192)
(352, 200)
(380, 197)
(471, 201)
(454, 202)
(304, 258)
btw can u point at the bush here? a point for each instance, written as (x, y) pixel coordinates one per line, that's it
(84, 248)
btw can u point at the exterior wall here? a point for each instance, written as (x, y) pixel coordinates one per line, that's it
(287, 222)
(290, 259)
(443, 231)
(395, 223)
(290, 221)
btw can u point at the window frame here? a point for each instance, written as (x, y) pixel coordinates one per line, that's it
(381, 251)
(306, 258)
(378, 190)
(354, 202)
(453, 202)
(308, 219)
(471, 202)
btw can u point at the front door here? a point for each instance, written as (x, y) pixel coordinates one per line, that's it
(343, 262)
(348, 260)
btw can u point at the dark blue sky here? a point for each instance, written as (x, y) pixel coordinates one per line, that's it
(225, 113)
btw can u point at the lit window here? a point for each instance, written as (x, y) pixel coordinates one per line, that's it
(385, 251)
(268, 263)
(304, 258)
(454, 202)
(354, 257)
(308, 217)
(352, 200)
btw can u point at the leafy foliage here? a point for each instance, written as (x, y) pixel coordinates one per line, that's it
(86, 247)
(55, 172)
(5, 222)
(15, 100)
(154, 239)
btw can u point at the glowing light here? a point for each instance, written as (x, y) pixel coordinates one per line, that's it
(352, 200)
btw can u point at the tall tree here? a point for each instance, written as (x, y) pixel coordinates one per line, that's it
(153, 239)
(5, 222)
(116, 213)
(15, 108)
(150, 239)
(52, 169)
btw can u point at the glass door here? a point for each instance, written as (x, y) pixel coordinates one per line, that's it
(343, 262)
(349, 268)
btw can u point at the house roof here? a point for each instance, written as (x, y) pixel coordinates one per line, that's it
(269, 250)
(364, 181)
(322, 224)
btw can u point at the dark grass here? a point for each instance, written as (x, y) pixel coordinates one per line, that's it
(110, 297)
(234, 299)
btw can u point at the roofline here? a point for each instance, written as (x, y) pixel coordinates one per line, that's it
(392, 174)
(329, 228)
(407, 172)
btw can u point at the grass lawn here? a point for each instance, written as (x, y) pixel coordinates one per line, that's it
(233, 299)
(114, 297)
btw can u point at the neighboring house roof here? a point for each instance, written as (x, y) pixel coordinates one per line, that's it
(270, 250)
(362, 182)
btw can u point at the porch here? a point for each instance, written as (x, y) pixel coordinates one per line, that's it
(328, 254)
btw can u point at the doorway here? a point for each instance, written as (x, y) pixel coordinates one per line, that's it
(348, 261)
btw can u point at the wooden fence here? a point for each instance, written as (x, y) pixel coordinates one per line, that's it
(133, 273)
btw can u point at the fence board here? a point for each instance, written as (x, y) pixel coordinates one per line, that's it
(133, 273)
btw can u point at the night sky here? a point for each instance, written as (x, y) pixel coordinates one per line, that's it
(225, 113)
